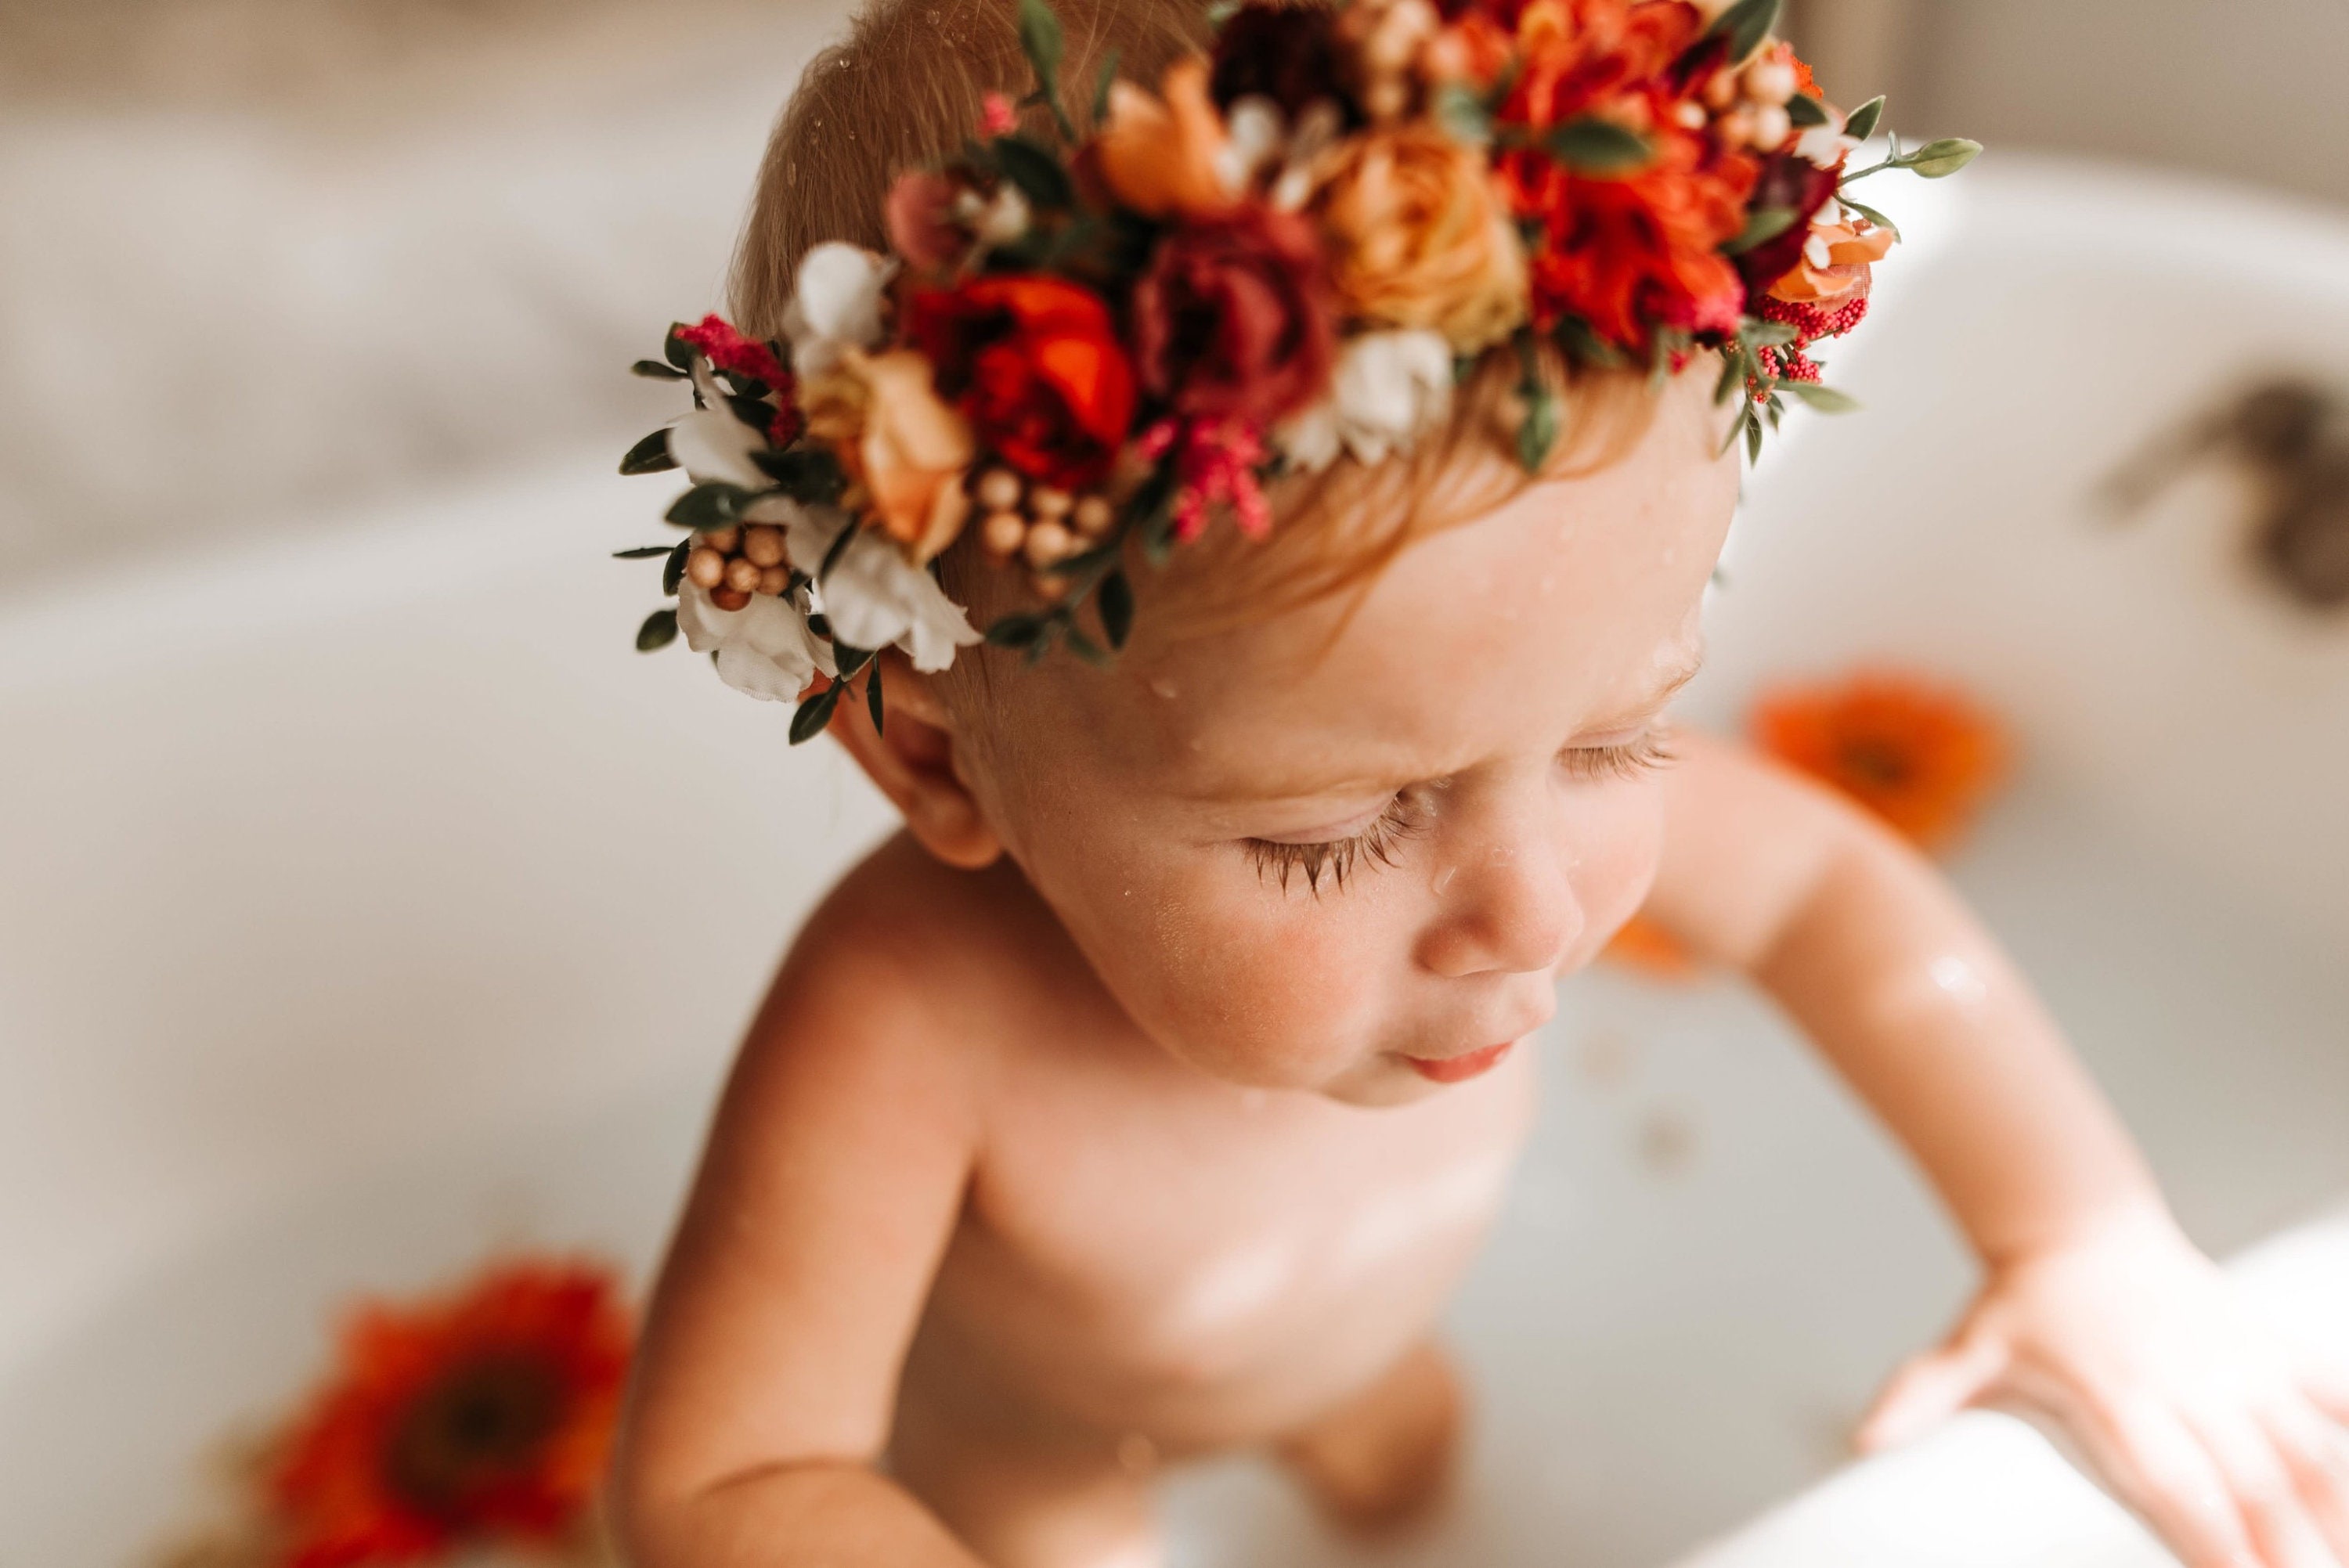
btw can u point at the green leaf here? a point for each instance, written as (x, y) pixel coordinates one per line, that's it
(1463, 114)
(658, 631)
(1593, 146)
(1037, 173)
(1085, 648)
(809, 718)
(676, 350)
(1826, 399)
(652, 369)
(835, 549)
(1537, 431)
(1581, 342)
(1860, 123)
(1016, 630)
(1732, 376)
(872, 695)
(1116, 606)
(1766, 334)
(809, 475)
(1102, 81)
(1938, 160)
(1763, 224)
(754, 412)
(1744, 24)
(1871, 214)
(1752, 437)
(642, 552)
(1040, 39)
(712, 505)
(673, 570)
(1805, 110)
(649, 455)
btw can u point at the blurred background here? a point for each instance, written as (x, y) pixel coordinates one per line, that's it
(263, 259)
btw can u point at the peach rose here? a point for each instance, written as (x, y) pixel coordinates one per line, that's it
(1419, 238)
(1158, 153)
(1835, 261)
(881, 413)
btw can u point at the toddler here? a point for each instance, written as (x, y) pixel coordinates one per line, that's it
(1372, 382)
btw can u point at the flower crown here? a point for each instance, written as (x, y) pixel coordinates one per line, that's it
(1294, 248)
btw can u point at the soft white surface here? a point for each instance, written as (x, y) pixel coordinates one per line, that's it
(371, 904)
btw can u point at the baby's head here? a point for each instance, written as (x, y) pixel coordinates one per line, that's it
(1366, 780)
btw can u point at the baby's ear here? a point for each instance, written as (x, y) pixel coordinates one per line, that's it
(911, 759)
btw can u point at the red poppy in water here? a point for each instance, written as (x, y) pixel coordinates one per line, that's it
(484, 1414)
(1918, 754)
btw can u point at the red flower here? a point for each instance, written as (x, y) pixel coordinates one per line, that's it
(488, 1414)
(1231, 321)
(1632, 249)
(1034, 363)
(729, 350)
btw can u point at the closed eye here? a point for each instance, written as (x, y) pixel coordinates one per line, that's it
(1643, 754)
(1336, 858)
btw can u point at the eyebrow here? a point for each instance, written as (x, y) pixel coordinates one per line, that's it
(1300, 788)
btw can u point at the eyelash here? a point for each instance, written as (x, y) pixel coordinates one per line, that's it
(1339, 859)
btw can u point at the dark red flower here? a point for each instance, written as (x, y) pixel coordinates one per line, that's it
(1290, 53)
(1034, 363)
(483, 1416)
(1798, 186)
(1231, 320)
(727, 349)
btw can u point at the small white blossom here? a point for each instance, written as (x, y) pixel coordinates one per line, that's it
(711, 444)
(835, 304)
(1823, 146)
(873, 596)
(1388, 387)
(765, 648)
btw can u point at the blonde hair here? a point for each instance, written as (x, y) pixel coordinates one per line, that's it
(904, 89)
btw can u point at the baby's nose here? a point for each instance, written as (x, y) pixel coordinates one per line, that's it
(1514, 910)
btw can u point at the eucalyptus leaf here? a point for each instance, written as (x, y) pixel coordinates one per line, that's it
(1826, 399)
(654, 369)
(642, 552)
(1745, 25)
(712, 505)
(809, 475)
(675, 349)
(873, 704)
(1766, 334)
(1805, 110)
(1752, 437)
(1593, 146)
(1084, 647)
(1040, 39)
(1037, 173)
(1537, 430)
(1732, 376)
(1938, 160)
(1763, 224)
(658, 631)
(672, 569)
(811, 717)
(1871, 214)
(1860, 123)
(1106, 80)
(649, 455)
(1116, 606)
(1015, 631)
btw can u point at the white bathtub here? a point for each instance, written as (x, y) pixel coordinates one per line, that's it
(367, 904)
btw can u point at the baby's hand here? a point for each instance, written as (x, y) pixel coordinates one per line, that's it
(2226, 1442)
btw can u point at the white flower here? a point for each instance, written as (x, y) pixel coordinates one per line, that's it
(710, 443)
(873, 596)
(1388, 387)
(997, 219)
(835, 304)
(764, 648)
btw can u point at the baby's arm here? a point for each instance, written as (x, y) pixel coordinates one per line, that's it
(2094, 1308)
(769, 1364)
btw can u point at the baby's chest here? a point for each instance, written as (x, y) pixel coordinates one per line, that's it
(1196, 1228)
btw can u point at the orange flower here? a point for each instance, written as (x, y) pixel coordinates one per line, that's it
(1835, 261)
(1420, 237)
(1646, 948)
(483, 1416)
(1157, 154)
(1919, 755)
(883, 415)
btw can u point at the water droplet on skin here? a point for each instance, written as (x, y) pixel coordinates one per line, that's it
(1958, 979)
(1163, 687)
(1443, 878)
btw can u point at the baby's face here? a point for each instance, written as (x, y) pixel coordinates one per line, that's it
(1357, 867)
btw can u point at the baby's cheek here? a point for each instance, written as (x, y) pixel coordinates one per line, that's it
(1615, 860)
(1282, 993)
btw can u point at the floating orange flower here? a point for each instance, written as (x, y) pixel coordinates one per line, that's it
(1647, 948)
(1918, 754)
(1835, 261)
(483, 1416)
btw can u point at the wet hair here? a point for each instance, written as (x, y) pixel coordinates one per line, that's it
(904, 89)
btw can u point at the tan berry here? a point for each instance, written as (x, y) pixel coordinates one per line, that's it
(725, 541)
(1093, 515)
(729, 598)
(1691, 115)
(1048, 542)
(773, 580)
(1769, 80)
(1046, 504)
(1050, 588)
(762, 546)
(1772, 125)
(1720, 91)
(999, 489)
(706, 568)
(742, 575)
(1003, 532)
